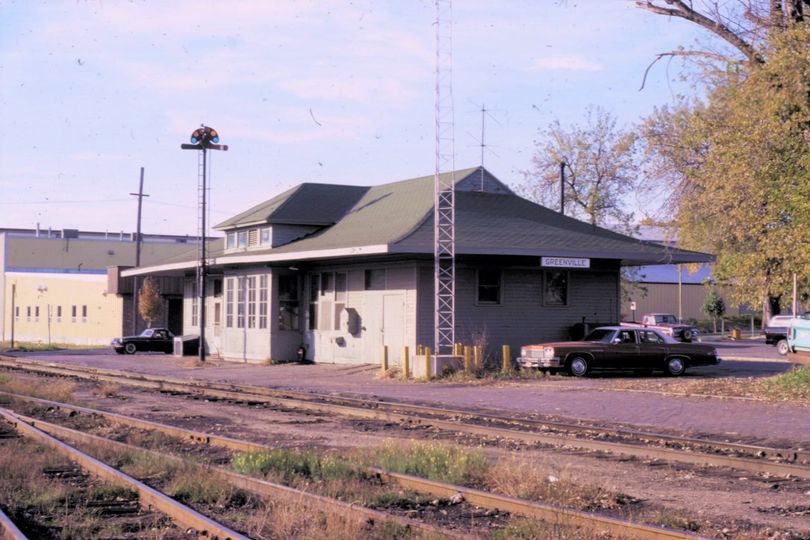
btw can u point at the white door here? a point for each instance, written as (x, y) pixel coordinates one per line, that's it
(393, 326)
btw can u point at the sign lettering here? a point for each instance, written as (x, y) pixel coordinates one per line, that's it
(565, 262)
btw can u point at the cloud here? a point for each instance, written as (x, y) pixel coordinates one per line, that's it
(565, 63)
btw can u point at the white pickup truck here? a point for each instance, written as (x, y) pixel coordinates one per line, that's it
(668, 324)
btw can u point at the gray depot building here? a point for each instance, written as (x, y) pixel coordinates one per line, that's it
(344, 270)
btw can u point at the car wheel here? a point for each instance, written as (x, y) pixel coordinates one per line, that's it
(130, 348)
(675, 366)
(578, 366)
(782, 347)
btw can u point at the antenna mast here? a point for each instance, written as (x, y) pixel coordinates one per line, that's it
(444, 247)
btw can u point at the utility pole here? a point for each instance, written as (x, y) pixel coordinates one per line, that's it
(562, 187)
(140, 196)
(203, 139)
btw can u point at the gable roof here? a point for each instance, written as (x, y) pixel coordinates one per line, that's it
(305, 204)
(397, 218)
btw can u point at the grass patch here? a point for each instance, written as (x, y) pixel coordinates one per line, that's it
(495, 376)
(291, 465)
(433, 461)
(55, 390)
(792, 385)
(33, 346)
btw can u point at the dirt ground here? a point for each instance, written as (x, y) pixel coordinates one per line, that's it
(727, 499)
(704, 493)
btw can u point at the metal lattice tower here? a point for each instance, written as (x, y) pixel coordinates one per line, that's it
(444, 247)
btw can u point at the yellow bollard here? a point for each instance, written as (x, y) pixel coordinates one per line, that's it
(427, 363)
(477, 360)
(507, 359)
(406, 363)
(384, 359)
(468, 359)
(420, 350)
(458, 349)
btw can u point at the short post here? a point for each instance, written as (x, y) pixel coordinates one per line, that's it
(420, 350)
(506, 365)
(722, 327)
(384, 365)
(406, 363)
(458, 349)
(468, 359)
(427, 363)
(477, 357)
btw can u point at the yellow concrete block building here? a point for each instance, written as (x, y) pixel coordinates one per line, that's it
(54, 286)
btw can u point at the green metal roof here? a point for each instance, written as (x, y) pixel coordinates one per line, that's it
(305, 204)
(398, 218)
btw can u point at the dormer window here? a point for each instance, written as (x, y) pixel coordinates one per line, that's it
(242, 239)
(230, 240)
(265, 236)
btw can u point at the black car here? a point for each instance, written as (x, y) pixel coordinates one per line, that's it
(642, 350)
(151, 339)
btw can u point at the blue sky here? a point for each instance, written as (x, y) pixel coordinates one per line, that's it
(302, 91)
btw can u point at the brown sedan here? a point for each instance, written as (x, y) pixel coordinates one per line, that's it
(642, 350)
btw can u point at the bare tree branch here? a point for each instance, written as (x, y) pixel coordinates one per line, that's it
(672, 54)
(680, 9)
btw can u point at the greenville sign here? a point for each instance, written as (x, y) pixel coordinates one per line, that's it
(564, 262)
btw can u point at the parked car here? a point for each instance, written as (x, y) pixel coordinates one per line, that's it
(642, 350)
(798, 338)
(776, 332)
(668, 324)
(151, 339)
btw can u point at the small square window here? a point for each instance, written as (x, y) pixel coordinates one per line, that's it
(555, 290)
(489, 286)
(375, 280)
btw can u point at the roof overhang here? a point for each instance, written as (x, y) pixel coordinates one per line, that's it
(628, 258)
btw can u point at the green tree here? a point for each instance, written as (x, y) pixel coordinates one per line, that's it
(714, 307)
(600, 170)
(737, 165)
(149, 301)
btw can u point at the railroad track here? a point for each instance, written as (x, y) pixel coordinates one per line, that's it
(484, 499)
(758, 459)
(181, 514)
(53, 435)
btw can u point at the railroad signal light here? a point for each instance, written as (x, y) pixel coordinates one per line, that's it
(204, 138)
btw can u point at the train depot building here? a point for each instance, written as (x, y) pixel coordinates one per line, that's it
(343, 270)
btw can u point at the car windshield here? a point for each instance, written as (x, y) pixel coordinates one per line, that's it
(665, 319)
(603, 335)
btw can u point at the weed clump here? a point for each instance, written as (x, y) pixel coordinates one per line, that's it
(291, 465)
(433, 461)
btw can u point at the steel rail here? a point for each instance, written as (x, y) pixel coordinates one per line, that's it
(181, 514)
(362, 514)
(792, 455)
(385, 411)
(484, 499)
(9, 531)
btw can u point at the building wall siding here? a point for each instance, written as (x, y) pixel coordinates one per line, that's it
(663, 298)
(521, 317)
